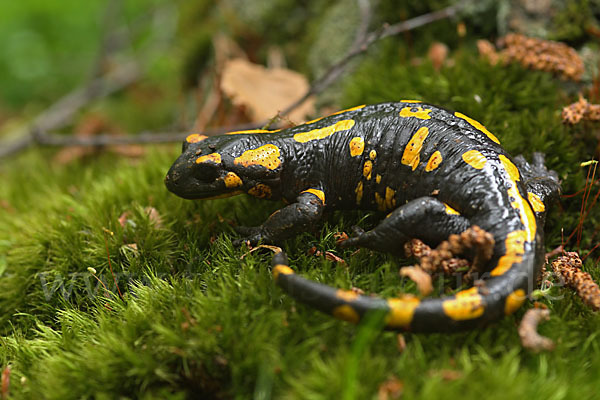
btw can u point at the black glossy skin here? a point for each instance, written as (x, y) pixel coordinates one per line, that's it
(491, 192)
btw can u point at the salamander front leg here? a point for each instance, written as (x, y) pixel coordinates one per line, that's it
(288, 221)
(425, 218)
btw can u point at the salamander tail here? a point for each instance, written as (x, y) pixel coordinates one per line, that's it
(466, 309)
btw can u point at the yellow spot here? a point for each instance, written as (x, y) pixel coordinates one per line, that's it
(318, 193)
(474, 158)
(322, 133)
(213, 158)
(357, 146)
(260, 191)
(511, 169)
(195, 138)
(434, 161)
(346, 295)
(514, 301)
(515, 241)
(346, 313)
(367, 169)
(466, 304)
(515, 248)
(420, 113)
(388, 202)
(373, 155)
(401, 311)
(411, 156)
(518, 202)
(281, 269)
(251, 131)
(410, 101)
(536, 202)
(266, 156)
(450, 210)
(359, 192)
(378, 178)
(478, 126)
(232, 180)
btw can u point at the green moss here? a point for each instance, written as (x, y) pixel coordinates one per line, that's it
(199, 317)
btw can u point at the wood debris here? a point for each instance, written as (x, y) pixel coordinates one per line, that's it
(580, 110)
(530, 338)
(443, 259)
(536, 54)
(568, 268)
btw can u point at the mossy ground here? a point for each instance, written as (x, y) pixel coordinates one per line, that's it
(200, 318)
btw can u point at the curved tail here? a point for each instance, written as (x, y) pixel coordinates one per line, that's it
(500, 295)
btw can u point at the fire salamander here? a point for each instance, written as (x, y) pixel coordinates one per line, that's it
(435, 172)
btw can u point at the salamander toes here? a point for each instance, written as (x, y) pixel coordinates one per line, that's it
(356, 240)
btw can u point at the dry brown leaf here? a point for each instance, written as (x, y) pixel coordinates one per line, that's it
(391, 389)
(123, 218)
(332, 257)
(265, 92)
(437, 54)
(400, 343)
(420, 277)
(5, 382)
(340, 237)
(154, 216)
(274, 249)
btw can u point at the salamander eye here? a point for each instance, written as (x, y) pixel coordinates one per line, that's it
(206, 172)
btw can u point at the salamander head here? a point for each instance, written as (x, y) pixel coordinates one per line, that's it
(223, 166)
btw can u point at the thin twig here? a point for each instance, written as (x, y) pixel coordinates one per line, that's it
(58, 115)
(142, 138)
(334, 72)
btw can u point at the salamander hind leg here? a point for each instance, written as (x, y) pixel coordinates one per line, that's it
(425, 218)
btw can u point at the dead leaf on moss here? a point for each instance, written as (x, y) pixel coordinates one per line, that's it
(437, 54)
(154, 216)
(421, 278)
(274, 249)
(390, 389)
(332, 257)
(123, 218)
(265, 92)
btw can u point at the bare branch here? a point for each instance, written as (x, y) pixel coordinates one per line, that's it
(335, 71)
(60, 113)
(141, 138)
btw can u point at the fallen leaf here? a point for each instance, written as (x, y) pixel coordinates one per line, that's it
(400, 343)
(265, 92)
(437, 54)
(5, 382)
(391, 389)
(154, 216)
(340, 237)
(123, 218)
(420, 277)
(332, 257)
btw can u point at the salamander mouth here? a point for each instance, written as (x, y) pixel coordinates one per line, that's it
(190, 187)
